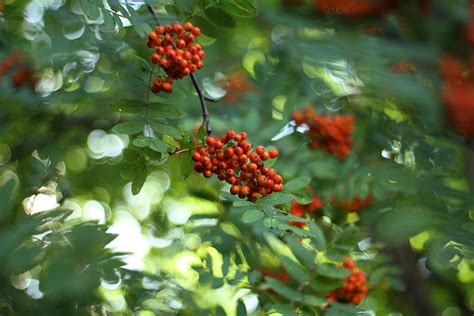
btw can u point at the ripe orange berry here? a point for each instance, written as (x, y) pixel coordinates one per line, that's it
(244, 191)
(167, 87)
(196, 156)
(196, 31)
(188, 26)
(273, 153)
(234, 189)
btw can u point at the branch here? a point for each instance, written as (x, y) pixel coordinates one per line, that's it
(202, 98)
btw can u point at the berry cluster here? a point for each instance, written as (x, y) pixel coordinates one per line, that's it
(176, 53)
(351, 8)
(231, 158)
(22, 76)
(458, 94)
(236, 84)
(300, 210)
(332, 133)
(355, 288)
(458, 88)
(354, 205)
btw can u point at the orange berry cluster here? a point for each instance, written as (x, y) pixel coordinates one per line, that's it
(300, 210)
(231, 158)
(351, 8)
(176, 53)
(458, 94)
(355, 205)
(458, 88)
(236, 85)
(22, 76)
(355, 288)
(332, 133)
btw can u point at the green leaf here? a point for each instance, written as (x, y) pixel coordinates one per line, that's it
(312, 300)
(167, 111)
(6, 196)
(129, 128)
(201, 135)
(322, 285)
(332, 271)
(205, 25)
(218, 16)
(142, 141)
(166, 129)
(252, 215)
(337, 309)
(303, 197)
(220, 311)
(317, 236)
(186, 164)
(297, 184)
(25, 258)
(294, 270)
(342, 243)
(241, 310)
(158, 145)
(284, 290)
(139, 179)
(172, 9)
(239, 8)
(142, 29)
(225, 265)
(289, 217)
(304, 255)
(133, 155)
(298, 231)
(108, 20)
(274, 199)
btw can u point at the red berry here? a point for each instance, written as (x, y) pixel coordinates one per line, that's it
(234, 189)
(196, 156)
(273, 153)
(188, 26)
(196, 31)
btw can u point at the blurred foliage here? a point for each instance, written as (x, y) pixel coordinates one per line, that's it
(101, 212)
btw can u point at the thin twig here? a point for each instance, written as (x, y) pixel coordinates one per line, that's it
(202, 98)
(174, 153)
(150, 8)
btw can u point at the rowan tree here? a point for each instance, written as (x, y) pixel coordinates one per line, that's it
(237, 157)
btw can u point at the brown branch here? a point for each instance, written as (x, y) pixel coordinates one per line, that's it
(202, 98)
